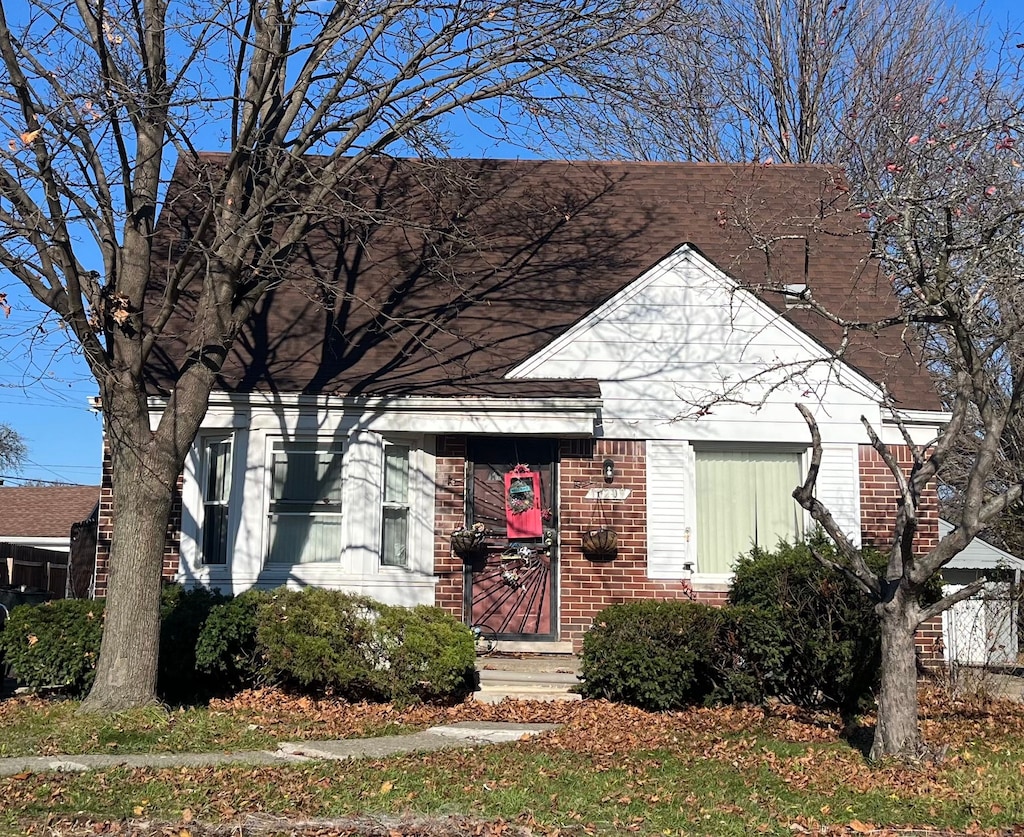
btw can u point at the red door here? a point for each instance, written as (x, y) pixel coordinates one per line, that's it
(512, 591)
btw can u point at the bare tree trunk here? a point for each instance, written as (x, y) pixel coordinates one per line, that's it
(897, 732)
(126, 673)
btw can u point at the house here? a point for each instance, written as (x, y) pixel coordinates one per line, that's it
(984, 630)
(42, 516)
(551, 350)
(39, 527)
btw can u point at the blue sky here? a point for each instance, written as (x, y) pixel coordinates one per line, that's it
(45, 388)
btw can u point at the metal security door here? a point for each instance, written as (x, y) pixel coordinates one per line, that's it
(511, 590)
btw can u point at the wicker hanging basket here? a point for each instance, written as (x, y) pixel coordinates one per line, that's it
(469, 546)
(600, 544)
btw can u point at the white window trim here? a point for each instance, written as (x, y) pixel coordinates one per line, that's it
(191, 564)
(229, 502)
(386, 504)
(420, 535)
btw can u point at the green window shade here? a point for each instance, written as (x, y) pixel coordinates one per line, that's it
(744, 499)
(395, 535)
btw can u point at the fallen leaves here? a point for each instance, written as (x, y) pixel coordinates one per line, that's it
(632, 758)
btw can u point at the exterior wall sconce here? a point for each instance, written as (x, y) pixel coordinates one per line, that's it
(608, 469)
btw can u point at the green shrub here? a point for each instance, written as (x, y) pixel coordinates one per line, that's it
(54, 644)
(312, 640)
(182, 615)
(828, 632)
(421, 654)
(650, 654)
(319, 641)
(226, 650)
(745, 658)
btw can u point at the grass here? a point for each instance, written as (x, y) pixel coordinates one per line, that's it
(609, 770)
(38, 727)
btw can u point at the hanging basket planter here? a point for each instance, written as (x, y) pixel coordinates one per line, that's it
(600, 544)
(469, 544)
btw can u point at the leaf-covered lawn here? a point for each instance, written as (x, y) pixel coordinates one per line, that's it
(609, 770)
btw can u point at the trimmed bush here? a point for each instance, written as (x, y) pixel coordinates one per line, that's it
(317, 641)
(422, 654)
(54, 644)
(312, 641)
(828, 635)
(746, 658)
(651, 654)
(226, 651)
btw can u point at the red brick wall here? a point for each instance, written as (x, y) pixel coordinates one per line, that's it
(930, 645)
(879, 498)
(449, 514)
(588, 586)
(105, 529)
(879, 501)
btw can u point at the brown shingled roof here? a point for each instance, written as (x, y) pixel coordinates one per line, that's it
(44, 512)
(380, 303)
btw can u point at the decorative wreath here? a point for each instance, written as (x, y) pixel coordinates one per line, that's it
(520, 496)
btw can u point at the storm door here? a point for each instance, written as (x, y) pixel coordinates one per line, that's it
(511, 588)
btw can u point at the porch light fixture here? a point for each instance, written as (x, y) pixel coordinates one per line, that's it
(608, 468)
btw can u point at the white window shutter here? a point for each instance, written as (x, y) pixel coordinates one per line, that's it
(362, 485)
(670, 518)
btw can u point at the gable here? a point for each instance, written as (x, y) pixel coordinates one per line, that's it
(684, 336)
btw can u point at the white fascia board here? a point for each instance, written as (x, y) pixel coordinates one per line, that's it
(681, 256)
(427, 414)
(56, 544)
(931, 418)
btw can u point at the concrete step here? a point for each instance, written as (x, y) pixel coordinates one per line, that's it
(534, 677)
(494, 694)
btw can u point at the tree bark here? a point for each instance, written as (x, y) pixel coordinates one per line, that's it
(127, 667)
(897, 732)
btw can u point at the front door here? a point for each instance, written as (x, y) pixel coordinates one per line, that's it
(511, 591)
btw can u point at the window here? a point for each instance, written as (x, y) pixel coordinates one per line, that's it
(395, 530)
(216, 465)
(744, 499)
(305, 502)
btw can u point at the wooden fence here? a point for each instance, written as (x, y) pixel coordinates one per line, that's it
(29, 566)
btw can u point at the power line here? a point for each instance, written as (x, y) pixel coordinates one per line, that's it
(48, 482)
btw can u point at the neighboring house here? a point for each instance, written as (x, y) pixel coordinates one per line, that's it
(983, 630)
(47, 532)
(607, 326)
(42, 516)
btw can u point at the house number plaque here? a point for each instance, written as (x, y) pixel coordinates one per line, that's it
(609, 493)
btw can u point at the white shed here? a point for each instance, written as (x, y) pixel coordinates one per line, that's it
(982, 630)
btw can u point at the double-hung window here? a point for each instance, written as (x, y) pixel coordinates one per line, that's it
(395, 527)
(744, 499)
(216, 483)
(305, 502)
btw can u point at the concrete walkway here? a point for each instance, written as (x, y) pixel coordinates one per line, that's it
(460, 735)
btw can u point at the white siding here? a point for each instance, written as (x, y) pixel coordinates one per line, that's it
(670, 515)
(357, 568)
